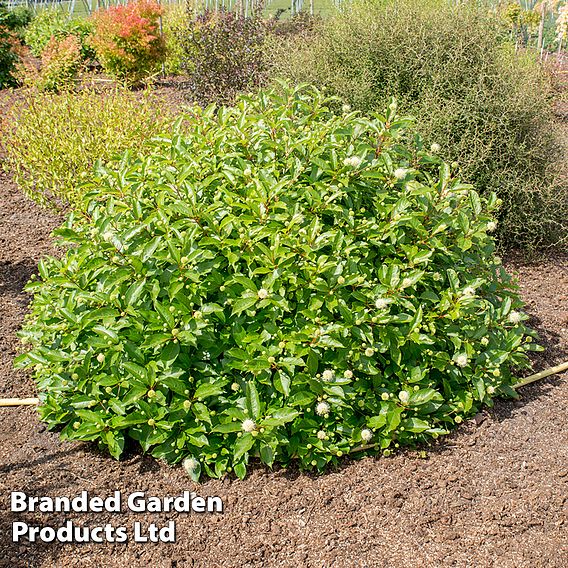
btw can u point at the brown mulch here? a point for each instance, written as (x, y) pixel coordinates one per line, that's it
(493, 494)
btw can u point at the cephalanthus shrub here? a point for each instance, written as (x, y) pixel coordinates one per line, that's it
(127, 40)
(277, 281)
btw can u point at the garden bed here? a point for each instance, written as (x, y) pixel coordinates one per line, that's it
(492, 494)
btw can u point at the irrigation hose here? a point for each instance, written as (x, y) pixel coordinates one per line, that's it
(526, 381)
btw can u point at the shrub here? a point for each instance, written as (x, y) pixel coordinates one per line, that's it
(8, 58)
(223, 55)
(279, 282)
(56, 23)
(177, 19)
(52, 141)
(127, 40)
(60, 64)
(487, 107)
(16, 19)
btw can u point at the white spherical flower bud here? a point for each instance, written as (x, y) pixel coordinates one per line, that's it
(404, 397)
(484, 341)
(381, 303)
(435, 148)
(461, 360)
(491, 226)
(321, 435)
(341, 280)
(263, 293)
(515, 317)
(190, 465)
(247, 172)
(490, 389)
(468, 291)
(400, 173)
(366, 435)
(248, 425)
(100, 358)
(346, 108)
(369, 352)
(322, 408)
(235, 387)
(348, 374)
(327, 375)
(385, 396)
(458, 419)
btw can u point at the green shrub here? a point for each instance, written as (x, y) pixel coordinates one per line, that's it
(279, 282)
(16, 19)
(485, 106)
(127, 40)
(8, 58)
(176, 22)
(56, 23)
(52, 141)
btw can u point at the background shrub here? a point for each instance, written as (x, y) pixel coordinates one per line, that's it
(54, 22)
(15, 19)
(52, 141)
(60, 64)
(485, 106)
(279, 281)
(223, 54)
(127, 40)
(9, 58)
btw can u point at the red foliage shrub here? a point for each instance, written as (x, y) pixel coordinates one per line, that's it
(127, 40)
(60, 63)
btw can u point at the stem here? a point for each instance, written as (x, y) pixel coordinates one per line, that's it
(542, 375)
(18, 401)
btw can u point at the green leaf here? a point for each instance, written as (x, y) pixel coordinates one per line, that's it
(243, 445)
(253, 401)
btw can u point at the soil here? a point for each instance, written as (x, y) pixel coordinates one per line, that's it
(493, 494)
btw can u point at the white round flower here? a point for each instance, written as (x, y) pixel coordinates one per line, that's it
(322, 408)
(400, 173)
(348, 374)
(437, 276)
(435, 148)
(321, 435)
(366, 435)
(404, 397)
(263, 293)
(346, 108)
(100, 358)
(235, 387)
(327, 375)
(490, 389)
(369, 352)
(491, 226)
(484, 341)
(190, 465)
(353, 161)
(247, 172)
(468, 291)
(385, 396)
(515, 317)
(248, 425)
(381, 303)
(461, 360)
(108, 235)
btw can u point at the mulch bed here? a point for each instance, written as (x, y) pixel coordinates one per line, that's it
(495, 493)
